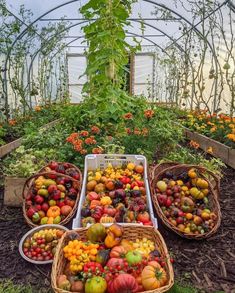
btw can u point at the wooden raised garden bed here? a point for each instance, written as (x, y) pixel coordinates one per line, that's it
(7, 148)
(13, 189)
(225, 153)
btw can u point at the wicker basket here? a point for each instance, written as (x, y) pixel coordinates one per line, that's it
(214, 184)
(28, 185)
(130, 233)
(71, 166)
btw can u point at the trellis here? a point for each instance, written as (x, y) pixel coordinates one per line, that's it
(168, 50)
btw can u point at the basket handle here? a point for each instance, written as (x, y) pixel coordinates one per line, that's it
(27, 185)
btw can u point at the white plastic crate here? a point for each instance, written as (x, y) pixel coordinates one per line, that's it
(92, 162)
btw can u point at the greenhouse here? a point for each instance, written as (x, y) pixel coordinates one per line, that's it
(117, 146)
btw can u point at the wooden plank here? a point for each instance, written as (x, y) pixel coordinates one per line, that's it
(219, 150)
(231, 158)
(7, 148)
(13, 191)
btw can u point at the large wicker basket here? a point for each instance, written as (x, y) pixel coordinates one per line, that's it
(131, 233)
(29, 183)
(157, 173)
(71, 166)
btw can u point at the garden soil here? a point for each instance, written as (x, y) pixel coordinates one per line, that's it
(208, 264)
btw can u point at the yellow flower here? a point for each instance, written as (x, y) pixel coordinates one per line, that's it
(231, 136)
(209, 150)
(231, 125)
(213, 129)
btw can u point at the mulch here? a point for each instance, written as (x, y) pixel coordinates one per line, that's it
(208, 264)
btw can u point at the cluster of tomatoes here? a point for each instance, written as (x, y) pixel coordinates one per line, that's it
(116, 195)
(116, 265)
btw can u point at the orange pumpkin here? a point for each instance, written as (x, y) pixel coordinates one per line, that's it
(153, 276)
(53, 212)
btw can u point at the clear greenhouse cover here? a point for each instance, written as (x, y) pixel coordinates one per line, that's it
(187, 52)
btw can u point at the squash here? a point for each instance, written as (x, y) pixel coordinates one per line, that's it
(53, 212)
(107, 219)
(118, 252)
(153, 276)
(96, 233)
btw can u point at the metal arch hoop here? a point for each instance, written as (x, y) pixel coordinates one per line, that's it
(72, 1)
(79, 23)
(74, 40)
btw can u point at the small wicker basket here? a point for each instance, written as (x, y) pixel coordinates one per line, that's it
(131, 232)
(29, 183)
(157, 174)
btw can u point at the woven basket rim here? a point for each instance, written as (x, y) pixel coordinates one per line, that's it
(28, 185)
(168, 268)
(164, 219)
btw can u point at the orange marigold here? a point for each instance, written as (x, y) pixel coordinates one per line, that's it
(137, 131)
(95, 130)
(12, 122)
(84, 133)
(209, 150)
(37, 108)
(145, 131)
(231, 136)
(98, 150)
(83, 152)
(194, 144)
(90, 140)
(128, 131)
(148, 113)
(128, 116)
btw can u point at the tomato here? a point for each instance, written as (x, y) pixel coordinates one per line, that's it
(109, 210)
(95, 284)
(143, 217)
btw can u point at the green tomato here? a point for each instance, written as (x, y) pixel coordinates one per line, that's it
(95, 284)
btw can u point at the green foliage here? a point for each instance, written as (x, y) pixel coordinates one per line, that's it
(25, 162)
(188, 156)
(107, 57)
(7, 286)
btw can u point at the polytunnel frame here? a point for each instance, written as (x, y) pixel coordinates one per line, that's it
(193, 27)
(135, 20)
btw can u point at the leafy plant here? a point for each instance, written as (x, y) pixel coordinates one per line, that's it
(24, 163)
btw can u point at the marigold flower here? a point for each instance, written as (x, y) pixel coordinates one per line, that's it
(78, 147)
(194, 144)
(12, 122)
(128, 131)
(148, 113)
(209, 150)
(97, 150)
(95, 130)
(83, 152)
(145, 131)
(213, 129)
(137, 131)
(231, 125)
(128, 116)
(84, 133)
(37, 108)
(90, 140)
(72, 137)
(231, 136)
